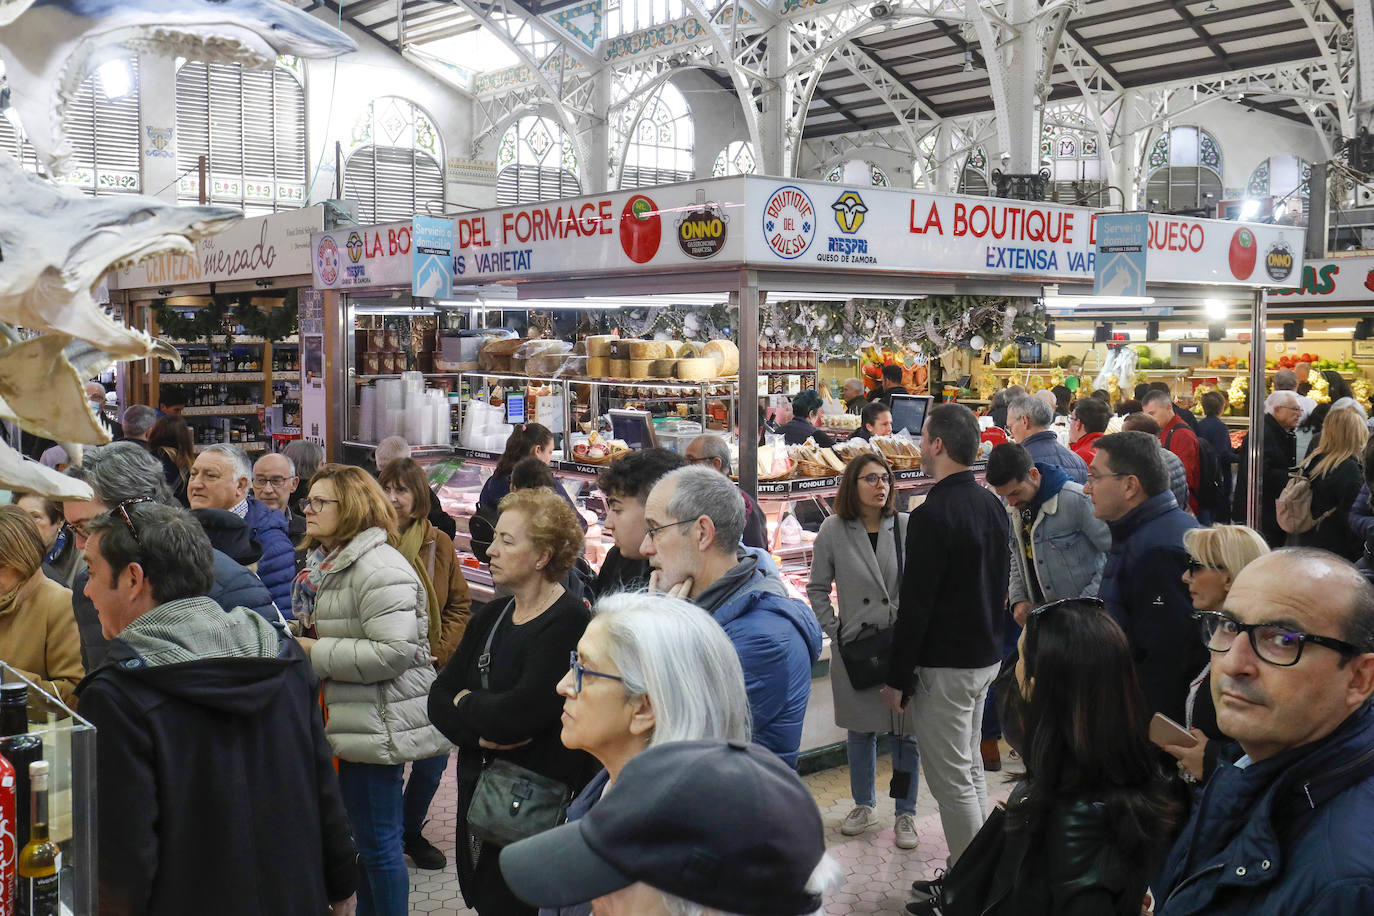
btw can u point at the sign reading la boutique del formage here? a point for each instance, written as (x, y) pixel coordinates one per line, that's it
(762, 222)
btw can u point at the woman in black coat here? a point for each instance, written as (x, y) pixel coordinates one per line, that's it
(516, 714)
(806, 410)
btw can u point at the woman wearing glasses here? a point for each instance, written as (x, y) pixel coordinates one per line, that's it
(1087, 826)
(63, 561)
(38, 635)
(859, 550)
(496, 698)
(648, 670)
(365, 611)
(1216, 556)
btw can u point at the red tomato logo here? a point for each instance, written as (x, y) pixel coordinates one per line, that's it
(1369, 281)
(641, 229)
(1243, 253)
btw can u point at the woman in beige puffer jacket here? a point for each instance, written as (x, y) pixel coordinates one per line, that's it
(370, 648)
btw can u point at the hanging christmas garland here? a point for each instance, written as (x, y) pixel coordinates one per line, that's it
(224, 312)
(930, 325)
(272, 324)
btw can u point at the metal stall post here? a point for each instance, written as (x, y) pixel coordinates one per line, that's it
(1254, 477)
(747, 418)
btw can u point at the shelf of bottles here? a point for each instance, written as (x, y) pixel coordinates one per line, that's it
(47, 802)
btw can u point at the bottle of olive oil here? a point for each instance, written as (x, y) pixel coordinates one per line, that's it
(39, 861)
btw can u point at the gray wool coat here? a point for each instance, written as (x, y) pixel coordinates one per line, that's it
(373, 655)
(868, 589)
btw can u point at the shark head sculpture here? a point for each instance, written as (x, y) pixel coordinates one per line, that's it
(55, 245)
(10, 10)
(55, 44)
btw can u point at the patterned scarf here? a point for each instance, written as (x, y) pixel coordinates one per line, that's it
(307, 584)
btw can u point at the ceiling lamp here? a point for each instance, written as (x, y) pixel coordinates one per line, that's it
(1211, 7)
(968, 60)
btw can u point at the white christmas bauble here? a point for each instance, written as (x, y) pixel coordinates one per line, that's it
(976, 342)
(768, 331)
(838, 338)
(869, 324)
(899, 322)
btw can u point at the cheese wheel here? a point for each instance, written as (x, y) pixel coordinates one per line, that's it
(620, 349)
(600, 345)
(663, 368)
(598, 367)
(697, 368)
(650, 349)
(725, 353)
(639, 368)
(620, 368)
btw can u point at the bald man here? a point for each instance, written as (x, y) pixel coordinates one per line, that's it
(1282, 825)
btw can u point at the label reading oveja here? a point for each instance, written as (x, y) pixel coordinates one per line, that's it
(701, 233)
(1278, 262)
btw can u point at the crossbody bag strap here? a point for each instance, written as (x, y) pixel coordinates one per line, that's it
(484, 660)
(897, 538)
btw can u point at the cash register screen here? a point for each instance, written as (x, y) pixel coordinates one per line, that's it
(633, 427)
(909, 412)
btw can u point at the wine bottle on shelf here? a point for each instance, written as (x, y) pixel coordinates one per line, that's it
(40, 861)
(20, 749)
(9, 836)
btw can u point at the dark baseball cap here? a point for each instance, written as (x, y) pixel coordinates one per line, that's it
(726, 825)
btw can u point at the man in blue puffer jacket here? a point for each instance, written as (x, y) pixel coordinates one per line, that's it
(693, 519)
(219, 480)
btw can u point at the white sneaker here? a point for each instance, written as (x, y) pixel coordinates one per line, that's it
(906, 831)
(858, 820)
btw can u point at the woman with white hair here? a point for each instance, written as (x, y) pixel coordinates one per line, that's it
(647, 671)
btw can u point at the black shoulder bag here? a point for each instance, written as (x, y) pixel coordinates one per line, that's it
(511, 802)
(866, 656)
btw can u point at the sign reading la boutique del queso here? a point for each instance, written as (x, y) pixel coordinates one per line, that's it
(813, 224)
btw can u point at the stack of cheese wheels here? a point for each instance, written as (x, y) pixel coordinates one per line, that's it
(726, 355)
(599, 355)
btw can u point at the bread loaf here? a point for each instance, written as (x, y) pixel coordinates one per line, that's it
(495, 355)
(697, 368)
(650, 349)
(726, 355)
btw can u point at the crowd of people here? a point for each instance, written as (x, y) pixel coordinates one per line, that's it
(282, 657)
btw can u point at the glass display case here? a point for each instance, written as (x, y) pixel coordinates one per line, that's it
(67, 742)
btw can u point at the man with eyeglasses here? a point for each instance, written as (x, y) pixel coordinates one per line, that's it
(693, 519)
(1282, 411)
(220, 479)
(1142, 583)
(1088, 423)
(208, 725)
(274, 480)
(1282, 825)
(714, 452)
(124, 473)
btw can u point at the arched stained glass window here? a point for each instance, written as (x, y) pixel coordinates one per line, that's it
(395, 167)
(1184, 171)
(876, 176)
(536, 160)
(661, 149)
(736, 159)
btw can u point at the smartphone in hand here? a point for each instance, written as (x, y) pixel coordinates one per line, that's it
(1164, 730)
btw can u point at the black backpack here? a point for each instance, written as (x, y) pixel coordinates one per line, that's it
(1211, 492)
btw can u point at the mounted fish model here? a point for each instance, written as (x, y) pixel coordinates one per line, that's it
(10, 10)
(55, 44)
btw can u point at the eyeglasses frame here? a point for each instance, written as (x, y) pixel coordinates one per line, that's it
(1345, 649)
(578, 672)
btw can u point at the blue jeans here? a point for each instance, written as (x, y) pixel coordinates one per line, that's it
(862, 751)
(372, 797)
(420, 788)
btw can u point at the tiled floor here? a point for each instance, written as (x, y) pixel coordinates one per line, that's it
(878, 874)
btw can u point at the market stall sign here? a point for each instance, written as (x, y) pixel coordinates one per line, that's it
(276, 245)
(763, 222)
(432, 260)
(363, 256)
(1123, 242)
(1337, 280)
